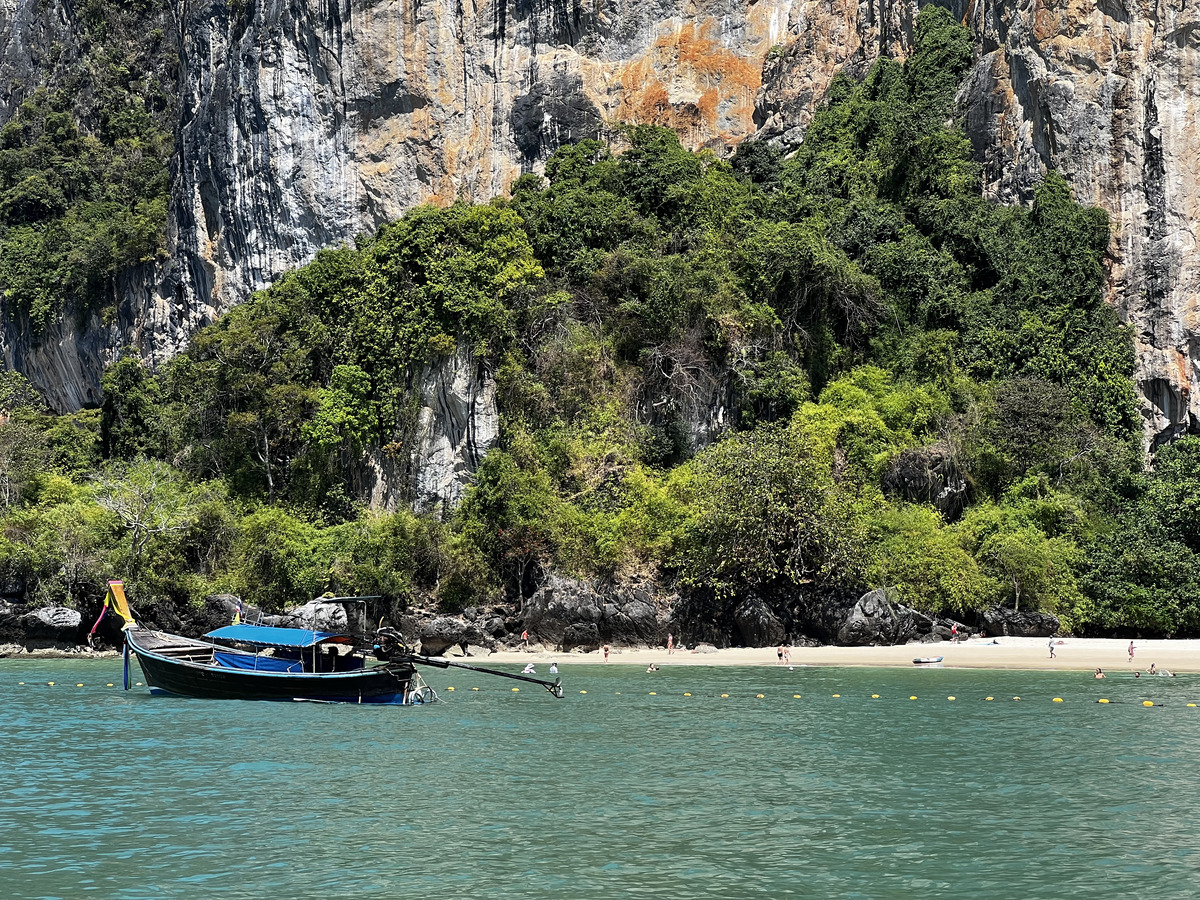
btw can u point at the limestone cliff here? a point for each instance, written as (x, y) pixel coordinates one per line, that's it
(302, 124)
(1108, 93)
(305, 124)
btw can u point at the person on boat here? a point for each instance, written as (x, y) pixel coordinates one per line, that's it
(1099, 673)
(553, 668)
(529, 669)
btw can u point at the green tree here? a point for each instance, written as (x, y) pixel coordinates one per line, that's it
(1039, 570)
(766, 514)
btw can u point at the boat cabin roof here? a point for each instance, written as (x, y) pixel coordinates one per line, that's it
(266, 636)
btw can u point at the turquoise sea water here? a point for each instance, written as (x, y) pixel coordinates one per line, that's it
(611, 793)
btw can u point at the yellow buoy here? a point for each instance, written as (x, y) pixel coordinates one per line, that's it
(837, 695)
(1016, 698)
(516, 690)
(795, 696)
(686, 694)
(20, 682)
(618, 693)
(1191, 704)
(913, 697)
(80, 684)
(110, 684)
(1058, 700)
(760, 696)
(450, 689)
(724, 695)
(874, 696)
(139, 684)
(654, 693)
(1102, 700)
(474, 689)
(950, 697)
(1147, 703)
(583, 692)
(989, 698)
(51, 683)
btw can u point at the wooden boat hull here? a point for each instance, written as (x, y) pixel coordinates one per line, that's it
(380, 684)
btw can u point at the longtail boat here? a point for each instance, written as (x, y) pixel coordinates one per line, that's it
(258, 662)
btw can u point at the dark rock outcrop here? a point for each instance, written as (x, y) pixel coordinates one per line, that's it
(928, 475)
(757, 625)
(585, 637)
(621, 614)
(879, 618)
(1000, 621)
(440, 634)
(52, 626)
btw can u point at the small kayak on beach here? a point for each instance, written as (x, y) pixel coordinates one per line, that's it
(927, 660)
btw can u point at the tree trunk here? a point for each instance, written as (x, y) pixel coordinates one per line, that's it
(266, 457)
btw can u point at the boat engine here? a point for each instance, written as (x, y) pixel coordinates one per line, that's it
(390, 644)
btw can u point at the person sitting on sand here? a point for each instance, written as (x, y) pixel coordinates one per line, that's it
(1099, 673)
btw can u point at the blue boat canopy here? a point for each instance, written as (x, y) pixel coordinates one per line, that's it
(264, 636)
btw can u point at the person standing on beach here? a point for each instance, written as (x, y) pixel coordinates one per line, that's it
(779, 655)
(1052, 648)
(524, 638)
(1131, 649)
(787, 654)
(670, 643)
(606, 652)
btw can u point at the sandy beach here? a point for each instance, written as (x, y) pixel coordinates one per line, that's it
(1178, 656)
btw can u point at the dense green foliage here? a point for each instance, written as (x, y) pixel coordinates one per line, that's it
(756, 375)
(83, 163)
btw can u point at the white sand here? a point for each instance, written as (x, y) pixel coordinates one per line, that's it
(1178, 656)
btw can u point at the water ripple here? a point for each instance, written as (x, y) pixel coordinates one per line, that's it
(616, 792)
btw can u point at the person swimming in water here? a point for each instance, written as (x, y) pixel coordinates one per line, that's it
(1099, 673)
(529, 669)
(553, 668)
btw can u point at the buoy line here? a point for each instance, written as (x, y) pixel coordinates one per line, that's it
(1105, 701)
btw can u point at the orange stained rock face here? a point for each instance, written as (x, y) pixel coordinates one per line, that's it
(693, 83)
(1183, 371)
